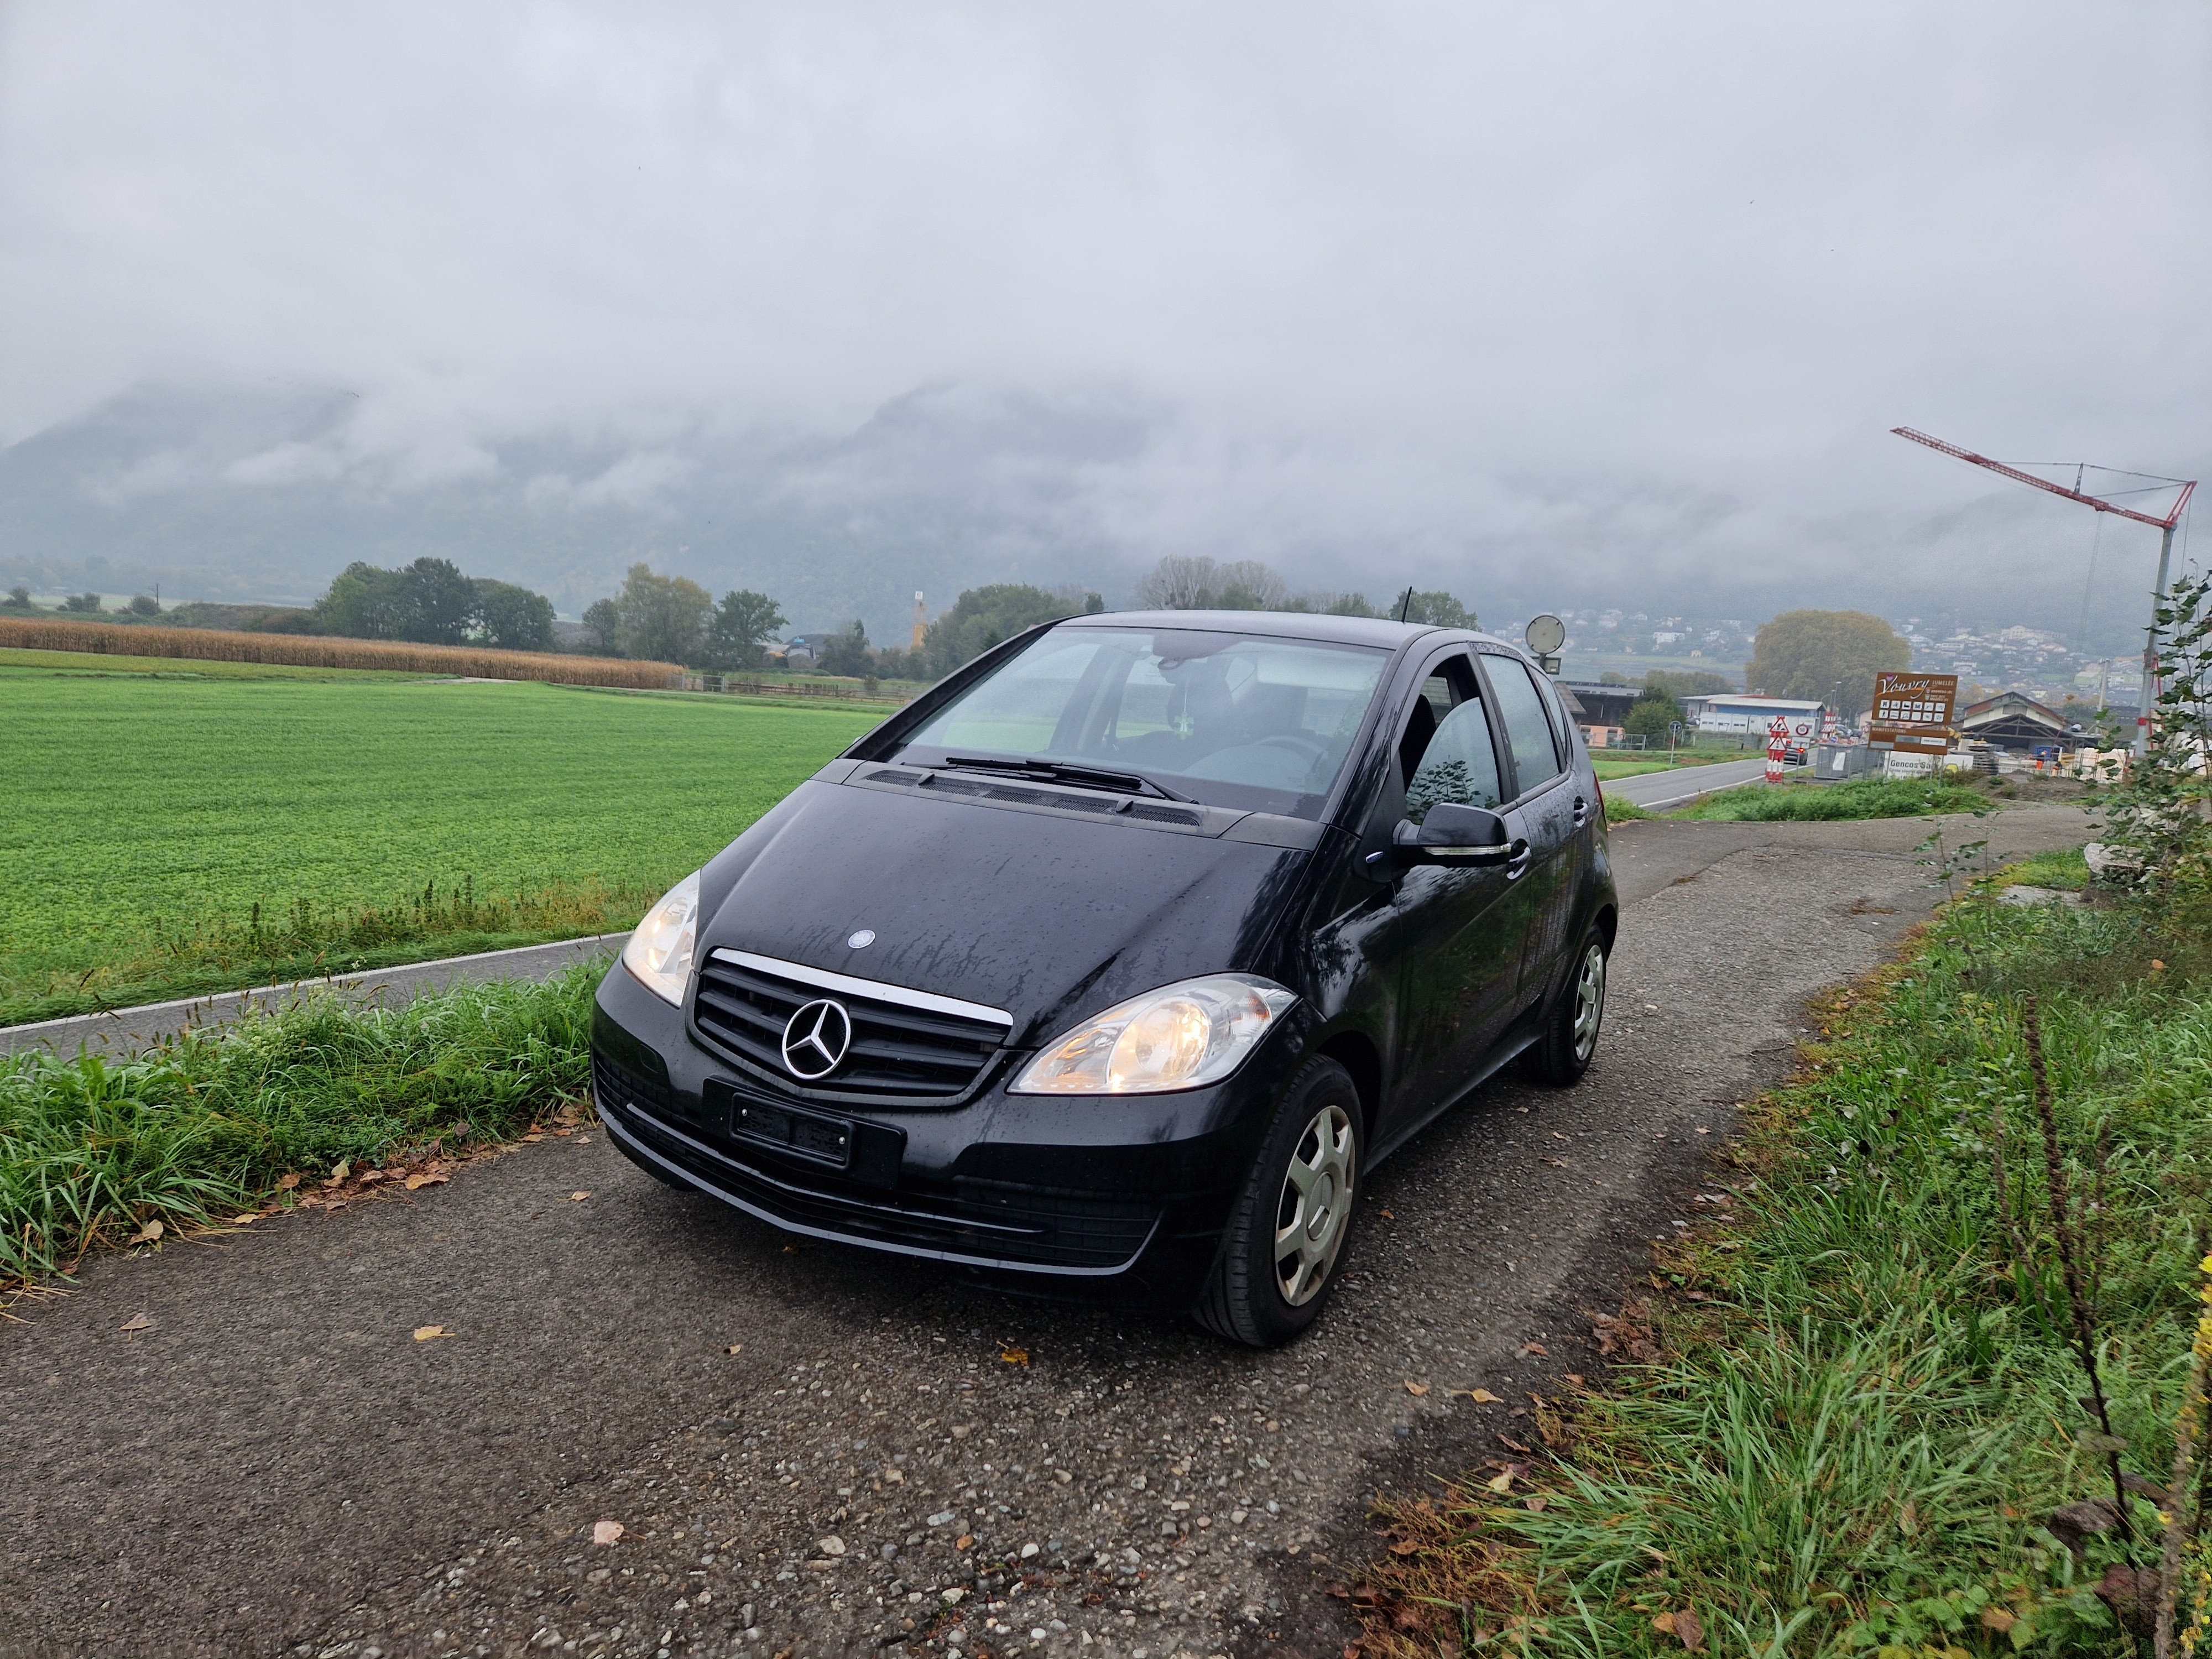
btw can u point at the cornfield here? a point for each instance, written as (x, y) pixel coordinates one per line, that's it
(307, 650)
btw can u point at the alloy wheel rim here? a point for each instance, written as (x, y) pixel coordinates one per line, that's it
(1589, 1000)
(1314, 1205)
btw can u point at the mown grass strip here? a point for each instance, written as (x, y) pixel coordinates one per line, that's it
(1861, 1428)
(92, 1149)
(1815, 803)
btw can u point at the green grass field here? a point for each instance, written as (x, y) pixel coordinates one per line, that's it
(370, 819)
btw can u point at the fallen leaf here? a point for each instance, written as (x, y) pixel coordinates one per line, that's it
(533, 1135)
(2156, 966)
(605, 1532)
(791, 1250)
(147, 1234)
(345, 1169)
(1480, 1396)
(138, 1322)
(1405, 1547)
(1012, 1356)
(1683, 1626)
(1997, 1619)
(1500, 1482)
(578, 1197)
(964, 1541)
(1511, 1444)
(369, 1175)
(735, 1348)
(1416, 1388)
(1575, 1378)
(1557, 1163)
(286, 1184)
(1536, 1501)
(415, 1183)
(430, 1333)
(1536, 1348)
(244, 1220)
(1388, 1216)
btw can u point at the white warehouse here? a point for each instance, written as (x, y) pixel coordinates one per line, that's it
(1731, 711)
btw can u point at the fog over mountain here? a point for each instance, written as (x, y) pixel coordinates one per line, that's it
(1575, 306)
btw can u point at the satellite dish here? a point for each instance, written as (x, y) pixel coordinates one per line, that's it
(1545, 634)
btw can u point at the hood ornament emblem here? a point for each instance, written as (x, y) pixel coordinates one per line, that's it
(814, 1040)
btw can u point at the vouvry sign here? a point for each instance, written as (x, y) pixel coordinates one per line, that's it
(1913, 712)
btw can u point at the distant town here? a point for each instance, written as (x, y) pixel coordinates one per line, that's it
(1987, 657)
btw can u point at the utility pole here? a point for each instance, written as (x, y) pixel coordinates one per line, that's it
(2188, 488)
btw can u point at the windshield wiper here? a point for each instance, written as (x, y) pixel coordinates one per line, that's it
(1053, 771)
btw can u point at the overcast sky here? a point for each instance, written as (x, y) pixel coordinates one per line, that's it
(1472, 284)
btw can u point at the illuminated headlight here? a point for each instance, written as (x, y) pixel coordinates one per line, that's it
(659, 953)
(1180, 1036)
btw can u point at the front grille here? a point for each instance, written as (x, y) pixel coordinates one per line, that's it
(624, 1087)
(897, 1052)
(979, 1222)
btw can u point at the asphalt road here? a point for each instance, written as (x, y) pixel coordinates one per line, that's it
(796, 1441)
(1653, 791)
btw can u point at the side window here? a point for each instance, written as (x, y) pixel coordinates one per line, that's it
(1448, 686)
(1459, 765)
(1527, 729)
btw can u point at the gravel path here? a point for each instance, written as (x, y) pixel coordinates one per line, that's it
(814, 1452)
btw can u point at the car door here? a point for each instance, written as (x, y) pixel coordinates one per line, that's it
(1549, 808)
(1455, 956)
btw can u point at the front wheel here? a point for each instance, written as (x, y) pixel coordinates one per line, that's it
(1278, 1255)
(1563, 1054)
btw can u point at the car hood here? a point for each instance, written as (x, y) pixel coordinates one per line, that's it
(1048, 917)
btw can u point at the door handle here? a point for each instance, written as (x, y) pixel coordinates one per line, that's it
(1517, 866)
(1581, 811)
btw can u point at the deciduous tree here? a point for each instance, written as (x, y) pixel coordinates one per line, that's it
(737, 637)
(603, 627)
(1826, 653)
(984, 616)
(663, 618)
(510, 617)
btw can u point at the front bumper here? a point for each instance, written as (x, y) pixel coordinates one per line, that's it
(1118, 1199)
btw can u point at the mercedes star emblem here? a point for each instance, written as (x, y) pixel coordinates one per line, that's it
(814, 1040)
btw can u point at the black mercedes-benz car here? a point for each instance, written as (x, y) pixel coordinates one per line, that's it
(1114, 963)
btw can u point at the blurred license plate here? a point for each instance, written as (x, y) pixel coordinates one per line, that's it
(823, 1140)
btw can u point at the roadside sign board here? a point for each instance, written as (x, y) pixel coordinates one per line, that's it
(1913, 712)
(1778, 739)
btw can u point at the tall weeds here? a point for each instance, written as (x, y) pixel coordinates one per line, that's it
(93, 1149)
(1932, 1369)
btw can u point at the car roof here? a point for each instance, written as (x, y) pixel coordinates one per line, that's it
(1283, 624)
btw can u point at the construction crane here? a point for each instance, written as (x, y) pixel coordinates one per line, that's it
(2187, 486)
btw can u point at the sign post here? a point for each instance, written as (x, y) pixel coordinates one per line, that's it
(1777, 736)
(1912, 712)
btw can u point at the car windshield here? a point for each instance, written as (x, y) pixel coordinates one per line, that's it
(1232, 720)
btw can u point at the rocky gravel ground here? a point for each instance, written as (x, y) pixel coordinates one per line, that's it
(659, 1429)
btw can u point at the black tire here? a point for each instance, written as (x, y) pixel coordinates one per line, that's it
(1247, 1298)
(1563, 1054)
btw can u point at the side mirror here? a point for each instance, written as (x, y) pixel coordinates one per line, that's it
(1451, 833)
